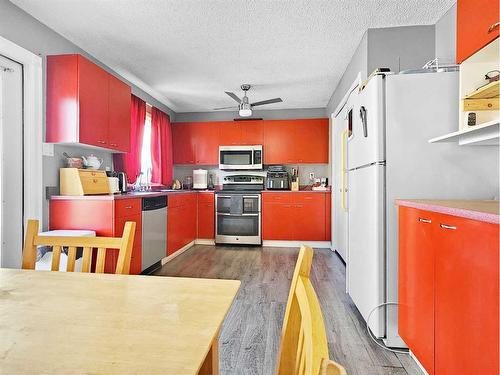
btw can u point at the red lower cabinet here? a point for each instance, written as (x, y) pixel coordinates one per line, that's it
(466, 297)
(297, 216)
(106, 217)
(181, 222)
(449, 292)
(206, 216)
(416, 288)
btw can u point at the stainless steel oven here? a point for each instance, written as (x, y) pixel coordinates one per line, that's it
(240, 157)
(238, 218)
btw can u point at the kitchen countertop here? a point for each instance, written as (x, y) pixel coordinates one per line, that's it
(129, 195)
(481, 210)
(302, 190)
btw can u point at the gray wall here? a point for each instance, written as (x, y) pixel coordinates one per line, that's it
(24, 30)
(358, 63)
(446, 35)
(400, 48)
(277, 114)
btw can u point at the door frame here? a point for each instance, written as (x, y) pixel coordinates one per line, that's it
(33, 125)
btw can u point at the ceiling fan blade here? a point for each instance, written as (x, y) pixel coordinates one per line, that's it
(268, 101)
(233, 107)
(233, 95)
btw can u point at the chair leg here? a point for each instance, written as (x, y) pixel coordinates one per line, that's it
(29, 251)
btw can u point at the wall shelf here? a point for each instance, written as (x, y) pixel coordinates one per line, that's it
(486, 134)
(491, 90)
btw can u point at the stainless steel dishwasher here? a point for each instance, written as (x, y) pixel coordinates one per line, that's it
(154, 231)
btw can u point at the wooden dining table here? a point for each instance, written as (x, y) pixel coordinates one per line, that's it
(81, 323)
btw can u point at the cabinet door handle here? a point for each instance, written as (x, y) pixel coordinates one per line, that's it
(128, 207)
(493, 27)
(114, 144)
(444, 226)
(422, 220)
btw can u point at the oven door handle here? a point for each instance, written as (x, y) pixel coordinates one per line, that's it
(251, 196)
(223, 196)
(226, 214)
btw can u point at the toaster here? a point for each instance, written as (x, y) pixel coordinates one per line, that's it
(278, 181)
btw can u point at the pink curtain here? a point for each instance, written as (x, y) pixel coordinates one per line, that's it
(161, 148)
(130, 163)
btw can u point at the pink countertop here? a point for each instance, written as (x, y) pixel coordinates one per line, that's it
(129, 195)
(481, 210)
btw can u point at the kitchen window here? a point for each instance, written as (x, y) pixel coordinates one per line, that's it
(146, 158)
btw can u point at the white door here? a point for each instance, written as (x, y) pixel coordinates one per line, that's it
(366, 280)
(367, 136)
(11, 163)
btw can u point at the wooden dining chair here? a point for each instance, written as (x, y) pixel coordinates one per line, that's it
(124, 244)
(304, 347)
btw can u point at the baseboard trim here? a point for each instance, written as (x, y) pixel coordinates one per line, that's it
(419, 365)
(204, 241)
(316, 244)
(177, 253)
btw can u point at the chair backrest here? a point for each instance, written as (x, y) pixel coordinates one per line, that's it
(304, 346)
(123, 244)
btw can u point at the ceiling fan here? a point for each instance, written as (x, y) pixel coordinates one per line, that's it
(245, 108)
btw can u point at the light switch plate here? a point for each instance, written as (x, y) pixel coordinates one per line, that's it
(47, 149)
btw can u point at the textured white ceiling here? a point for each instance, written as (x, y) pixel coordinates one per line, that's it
(186, 53)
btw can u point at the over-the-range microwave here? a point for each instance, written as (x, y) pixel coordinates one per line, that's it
(240, 157)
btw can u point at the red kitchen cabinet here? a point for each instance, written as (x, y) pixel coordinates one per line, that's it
(206, 216)
(136, 259)
(205, 138)
(466, 296)
(311, 145)
(296, 141)
(279, 142)
(477, 25)
(119, 114)
(229, 133)
(247, 132)
(86, 104)
(449, 291)
(328, 215)
(252, 132)
(182, 219)
(93, 97)
(106, 217)
(277, 221)
(183, 144)
(416, 283)
(294, 216)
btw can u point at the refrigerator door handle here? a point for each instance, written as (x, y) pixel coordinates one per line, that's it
(343, 174)
(362, 114)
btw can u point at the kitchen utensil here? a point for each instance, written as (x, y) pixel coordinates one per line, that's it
(92, 162)
(114, 185)
(122, 182)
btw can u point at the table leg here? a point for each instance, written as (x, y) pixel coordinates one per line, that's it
(211, 364)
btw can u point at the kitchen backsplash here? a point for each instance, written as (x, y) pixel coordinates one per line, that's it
(319, 170)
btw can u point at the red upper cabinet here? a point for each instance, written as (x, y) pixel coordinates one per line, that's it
(183, 146)
(93, 96)
(477, 25)
(252, 132)
(416, 283)
(86, 104)
(205, 139)
(229, 133)
(279, 142)
(119, 114)
(296, 141)
(311, 144)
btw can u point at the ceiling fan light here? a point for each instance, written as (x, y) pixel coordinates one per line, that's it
(245, 112)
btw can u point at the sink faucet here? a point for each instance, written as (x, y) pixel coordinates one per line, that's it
(149, 174)
(137, 183)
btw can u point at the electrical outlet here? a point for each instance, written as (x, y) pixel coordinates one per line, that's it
(311, 176)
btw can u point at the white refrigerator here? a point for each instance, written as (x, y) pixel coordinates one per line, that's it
(389, 158)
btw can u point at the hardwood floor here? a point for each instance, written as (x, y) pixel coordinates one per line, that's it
(250, 336)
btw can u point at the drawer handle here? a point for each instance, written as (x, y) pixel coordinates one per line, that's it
(128, 207)
(114, 144)
(428, 221)
(493, 27)
(444, 226)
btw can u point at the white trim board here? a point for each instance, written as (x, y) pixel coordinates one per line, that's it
(316, 244)
(419, 365)
(33, 125)
(177, 253)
